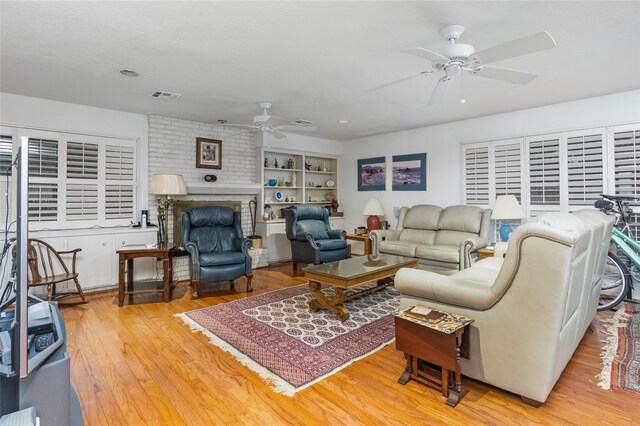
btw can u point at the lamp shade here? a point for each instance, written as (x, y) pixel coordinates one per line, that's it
(373, 208)
(507, 207)
(168, 184)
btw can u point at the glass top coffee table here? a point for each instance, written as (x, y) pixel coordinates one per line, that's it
(348, 273)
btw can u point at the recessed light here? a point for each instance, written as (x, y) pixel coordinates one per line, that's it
(129, 73)
(343, 121)
(462, 101)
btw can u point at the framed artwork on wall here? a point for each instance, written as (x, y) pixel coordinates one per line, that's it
(371, 174)
(208, 153)
(409, 172)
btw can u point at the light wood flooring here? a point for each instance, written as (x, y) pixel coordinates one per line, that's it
(140, 365)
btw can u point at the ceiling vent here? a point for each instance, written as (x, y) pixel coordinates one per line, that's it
(165, 95)
(303, 122)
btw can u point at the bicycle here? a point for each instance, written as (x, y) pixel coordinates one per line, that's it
(617, 282)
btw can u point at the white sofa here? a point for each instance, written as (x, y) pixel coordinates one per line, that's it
(531, 308)
(441, 239)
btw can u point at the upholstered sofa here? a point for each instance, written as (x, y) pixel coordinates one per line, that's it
(530, 308)
(442, 239)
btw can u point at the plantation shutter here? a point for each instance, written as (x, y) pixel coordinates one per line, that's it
(82, 202)
(508, 170)
(119, 162)
(119, 201)
(544, 172)
(82, 160)
(476, 175)
(6, 154)
(585, 169)
(43, 180)
(626, 170)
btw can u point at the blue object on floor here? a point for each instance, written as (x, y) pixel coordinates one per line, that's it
(505, 230)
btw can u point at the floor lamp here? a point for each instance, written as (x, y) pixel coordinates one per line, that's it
(166, 185)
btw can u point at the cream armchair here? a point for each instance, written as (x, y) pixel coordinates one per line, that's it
(443, 240)
(530, 309)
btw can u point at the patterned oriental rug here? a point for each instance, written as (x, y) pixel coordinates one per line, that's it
(275, 335)
(621, 354)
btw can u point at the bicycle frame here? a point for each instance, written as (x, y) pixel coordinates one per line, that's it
(622, 241)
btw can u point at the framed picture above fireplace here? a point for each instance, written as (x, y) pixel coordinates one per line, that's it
(208, 153)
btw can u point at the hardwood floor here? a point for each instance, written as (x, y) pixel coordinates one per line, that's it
(140, 365)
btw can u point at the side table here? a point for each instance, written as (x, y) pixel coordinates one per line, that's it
(127, 255)
(433, 353)
(363, 239)
(485, 252)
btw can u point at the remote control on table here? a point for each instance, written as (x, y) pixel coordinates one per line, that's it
(43, 341)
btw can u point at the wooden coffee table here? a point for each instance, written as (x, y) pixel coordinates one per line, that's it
(348, 273)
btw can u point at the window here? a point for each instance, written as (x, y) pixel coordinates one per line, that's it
(75, 180)
(544, 171)
(585, 169)
(476, 178)
(625, 162)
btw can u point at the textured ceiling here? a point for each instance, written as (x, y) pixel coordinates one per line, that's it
(313, 60)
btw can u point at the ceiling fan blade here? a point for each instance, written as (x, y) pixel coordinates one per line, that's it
(522, 46)
(242, 126)
(511, 76)
(421, 52)
(395, 82)
(277, 134)
(295, 128)
(440, 91)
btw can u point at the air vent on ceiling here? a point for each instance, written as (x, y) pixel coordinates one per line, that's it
(303, 122)
(165, 95)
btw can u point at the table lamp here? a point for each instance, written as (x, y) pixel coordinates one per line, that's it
(167, 185)
(505, 208)
(373, 209)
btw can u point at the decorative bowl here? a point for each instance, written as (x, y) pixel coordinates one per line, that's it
(272, 182)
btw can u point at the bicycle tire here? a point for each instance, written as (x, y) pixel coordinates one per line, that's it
(616, 282)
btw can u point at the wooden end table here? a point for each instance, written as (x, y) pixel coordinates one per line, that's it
(485, 252)
(433, 356)
(127, 255)
(363, 239)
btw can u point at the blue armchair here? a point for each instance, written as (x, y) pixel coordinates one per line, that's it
(213, 237)
(312, 239)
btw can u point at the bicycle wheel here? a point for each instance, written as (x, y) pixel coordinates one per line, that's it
(615, 283)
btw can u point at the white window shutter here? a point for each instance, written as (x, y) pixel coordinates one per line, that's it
(43, 202)
(82, 202)
(585, 169)
(82, 160)
(119, 201)
(476, 175)
(43, 158)
(626, 170)
(119, 162)
(544, 172)
(508, 169)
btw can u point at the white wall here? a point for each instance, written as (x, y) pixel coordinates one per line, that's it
(442, 144)
(45, 114)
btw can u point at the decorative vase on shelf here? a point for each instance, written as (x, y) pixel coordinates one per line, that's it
(294, 179)
(324, 166)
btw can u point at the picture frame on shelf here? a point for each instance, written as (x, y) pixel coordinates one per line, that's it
(409, 172)
(372, 174)
(208, 153)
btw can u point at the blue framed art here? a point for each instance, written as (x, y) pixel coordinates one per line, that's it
(371, 174)
(409, 172)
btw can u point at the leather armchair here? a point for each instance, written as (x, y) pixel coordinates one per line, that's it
(312, 239)
(213, 237)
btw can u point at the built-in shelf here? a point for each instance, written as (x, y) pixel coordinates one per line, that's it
(281, 187)
(320, 173)
(273, 169)
(320, 187)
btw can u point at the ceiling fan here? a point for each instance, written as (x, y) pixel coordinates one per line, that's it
(263, 122)
(455, 58)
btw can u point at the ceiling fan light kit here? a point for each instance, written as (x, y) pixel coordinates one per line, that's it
(457, 57)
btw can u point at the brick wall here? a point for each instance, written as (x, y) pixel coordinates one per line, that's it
(172, 149)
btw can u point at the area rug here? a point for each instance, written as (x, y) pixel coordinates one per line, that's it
(275, 335)
(621, 354)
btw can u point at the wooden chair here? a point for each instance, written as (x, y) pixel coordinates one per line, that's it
(46, 267)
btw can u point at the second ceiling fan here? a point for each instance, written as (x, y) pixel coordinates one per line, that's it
(457, 57)
(264, 123)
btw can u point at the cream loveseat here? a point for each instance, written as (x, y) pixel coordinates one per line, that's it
(442, 240)
(531, 308)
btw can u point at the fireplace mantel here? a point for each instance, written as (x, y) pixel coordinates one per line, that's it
(224, 188)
